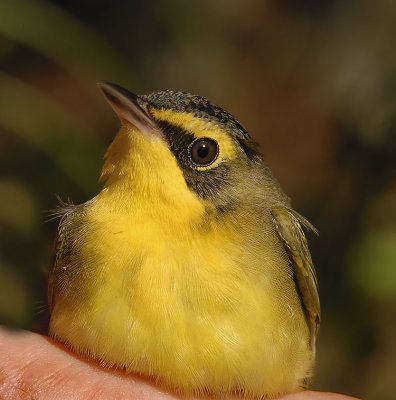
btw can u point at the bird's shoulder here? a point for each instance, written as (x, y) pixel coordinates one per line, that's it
(289, 224)
(71, 225)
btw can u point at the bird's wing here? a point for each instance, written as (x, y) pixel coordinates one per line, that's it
(62, 249)
(288, 225)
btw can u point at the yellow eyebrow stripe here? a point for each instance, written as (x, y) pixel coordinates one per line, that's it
(200, 128)
(187, 121)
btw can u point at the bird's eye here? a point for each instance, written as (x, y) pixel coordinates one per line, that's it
(203, 151)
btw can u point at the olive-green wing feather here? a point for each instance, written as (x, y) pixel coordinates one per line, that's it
(62, 249)
(288, 225)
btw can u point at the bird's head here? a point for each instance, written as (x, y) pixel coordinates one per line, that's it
(178, 147)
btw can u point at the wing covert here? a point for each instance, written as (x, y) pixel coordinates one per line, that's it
(288, 225)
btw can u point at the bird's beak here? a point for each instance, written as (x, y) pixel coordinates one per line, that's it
(130, 108)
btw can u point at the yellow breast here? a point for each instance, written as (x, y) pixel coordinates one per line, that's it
(208, 310)
(149, 283)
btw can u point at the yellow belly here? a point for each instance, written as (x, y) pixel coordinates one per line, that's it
(198, 313)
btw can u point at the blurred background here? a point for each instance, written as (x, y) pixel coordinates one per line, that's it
(314, 81)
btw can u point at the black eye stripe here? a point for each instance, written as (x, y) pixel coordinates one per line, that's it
(206, 182)
(203, 151)
(178, 139)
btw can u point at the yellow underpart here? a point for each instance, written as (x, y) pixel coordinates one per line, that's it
(200, 128)
(141, 173)
(159, 287)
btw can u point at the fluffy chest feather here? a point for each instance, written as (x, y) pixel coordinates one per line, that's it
(195, 309)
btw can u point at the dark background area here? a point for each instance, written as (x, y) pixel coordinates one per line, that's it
(314, 82)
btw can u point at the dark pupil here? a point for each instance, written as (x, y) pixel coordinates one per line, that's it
(204, 151)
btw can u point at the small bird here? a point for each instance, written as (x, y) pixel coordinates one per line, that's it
(190, 266)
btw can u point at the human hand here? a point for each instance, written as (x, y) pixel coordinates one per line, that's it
(34, 367)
